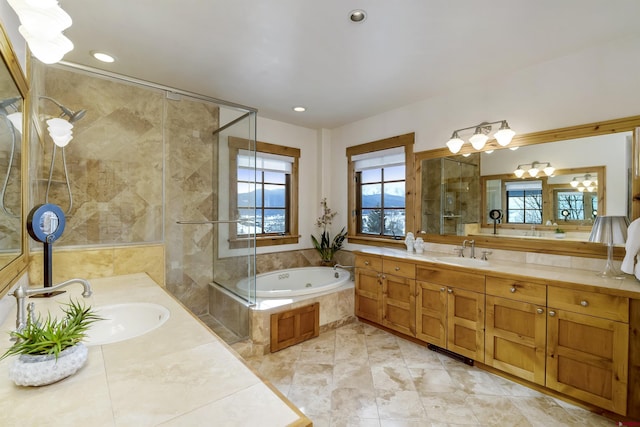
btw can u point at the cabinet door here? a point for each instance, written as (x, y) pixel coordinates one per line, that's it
(465, 323)
(398, 304)
(515, 338)
(587, 358)
(368, 302)
(431, 313)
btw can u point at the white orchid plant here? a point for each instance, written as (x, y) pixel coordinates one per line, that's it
(326, 246)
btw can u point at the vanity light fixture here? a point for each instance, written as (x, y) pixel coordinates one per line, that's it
(584, 183)
(482, 134)
(534, 169)
(42, 23)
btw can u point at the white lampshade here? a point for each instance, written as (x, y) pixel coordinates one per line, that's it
(581, 189)
(60, 131)
(574, 183)
(455, 143)
(478, 139)
(41, 22)
(519, 172)
(549, 170)
(533, 171)
(16, 120)
(504, 134)
(49, 51)
(586, 182)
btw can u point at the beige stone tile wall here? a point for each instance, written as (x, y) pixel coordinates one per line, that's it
(88, 263)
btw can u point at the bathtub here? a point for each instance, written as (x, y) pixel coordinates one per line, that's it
(296, 281)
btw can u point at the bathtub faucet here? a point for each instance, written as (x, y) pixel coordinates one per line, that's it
(345, 267)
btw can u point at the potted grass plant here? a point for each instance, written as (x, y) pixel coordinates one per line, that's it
(51, 349)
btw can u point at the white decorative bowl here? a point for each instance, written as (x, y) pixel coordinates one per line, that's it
(37, 370)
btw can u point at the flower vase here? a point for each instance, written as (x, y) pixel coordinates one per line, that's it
(37, 370)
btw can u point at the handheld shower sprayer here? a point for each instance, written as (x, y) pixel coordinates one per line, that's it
(73, 116)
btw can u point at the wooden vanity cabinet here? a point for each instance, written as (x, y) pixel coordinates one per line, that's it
(398, 296)
(587, 346)
(516, 327)
(450, 310)
(368, 287)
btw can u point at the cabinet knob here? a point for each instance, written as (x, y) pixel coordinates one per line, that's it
(584, 303)
(450, 290)
(366, 263)
(383, 276)
(540, 310)
(552, 313)
(513, 289)
(442, 289)
(397, 268)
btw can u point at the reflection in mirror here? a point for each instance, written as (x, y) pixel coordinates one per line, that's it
(453, 204)
(10, 170)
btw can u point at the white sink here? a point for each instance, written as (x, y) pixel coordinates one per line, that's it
(464, 262)
(125, 321)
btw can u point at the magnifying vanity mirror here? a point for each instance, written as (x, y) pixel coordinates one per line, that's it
(590, 171)
(13, 90)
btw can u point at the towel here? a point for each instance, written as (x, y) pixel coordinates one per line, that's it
(632, 247)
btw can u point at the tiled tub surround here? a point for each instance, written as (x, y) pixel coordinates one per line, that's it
(177, 375)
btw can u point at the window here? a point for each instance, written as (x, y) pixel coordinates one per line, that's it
(573, 205)
(524, 202)
(378, 193)
(266, 179)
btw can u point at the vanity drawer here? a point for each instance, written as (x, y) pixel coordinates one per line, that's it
(399, 268)
(457, 279)
(589, 303)
(369, 262)
(519, 290)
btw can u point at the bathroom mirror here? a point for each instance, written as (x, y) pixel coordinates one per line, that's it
(606, 148)
(13, 162)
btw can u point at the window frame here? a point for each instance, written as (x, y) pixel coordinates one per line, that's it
(291, 236)
(353, 233)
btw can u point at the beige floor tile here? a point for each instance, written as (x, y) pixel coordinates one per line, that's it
(433, 380)
(448, 408)
(353, 402)
(353, 374)
(497, 411)
(311, 400)
(312, 375)
(392, 378)
(401, 404)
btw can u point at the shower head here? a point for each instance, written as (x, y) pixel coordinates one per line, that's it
(73, 116)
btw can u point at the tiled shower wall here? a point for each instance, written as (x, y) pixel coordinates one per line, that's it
(132, 145)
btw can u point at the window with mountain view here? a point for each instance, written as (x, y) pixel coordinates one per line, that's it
(264, 184)
(378, 197)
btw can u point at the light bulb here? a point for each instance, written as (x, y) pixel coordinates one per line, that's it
(519, 172)
(478, 139)
(504, 134)
(455, 143)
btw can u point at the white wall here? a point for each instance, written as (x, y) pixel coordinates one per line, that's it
(597, 83)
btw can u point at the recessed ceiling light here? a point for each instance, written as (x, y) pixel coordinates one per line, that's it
(357, 15)
(299, 109)
(101, 56)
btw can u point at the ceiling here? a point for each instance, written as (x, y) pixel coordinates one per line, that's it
(273, 55)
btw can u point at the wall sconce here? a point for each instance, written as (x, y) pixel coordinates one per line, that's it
(534, 169)
(60, 130)
(480, 136)
(42, 25)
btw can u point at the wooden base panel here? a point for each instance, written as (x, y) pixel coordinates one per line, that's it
(294, 326)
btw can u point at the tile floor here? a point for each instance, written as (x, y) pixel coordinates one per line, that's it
(359, 375)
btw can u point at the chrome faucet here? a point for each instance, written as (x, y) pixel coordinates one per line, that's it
(472, 254)
(23, 292)
(351, 267)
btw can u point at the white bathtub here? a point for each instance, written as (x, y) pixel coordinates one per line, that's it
(296, 281)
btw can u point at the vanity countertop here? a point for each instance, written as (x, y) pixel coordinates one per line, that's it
(559, 276)
(180, 374)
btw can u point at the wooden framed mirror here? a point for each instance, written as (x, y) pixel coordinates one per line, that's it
(13, 166)
(575, 151)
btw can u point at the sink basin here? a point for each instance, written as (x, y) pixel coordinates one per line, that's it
(125, 321)
(465, 262)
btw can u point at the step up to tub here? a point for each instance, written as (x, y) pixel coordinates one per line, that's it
(294, 326)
